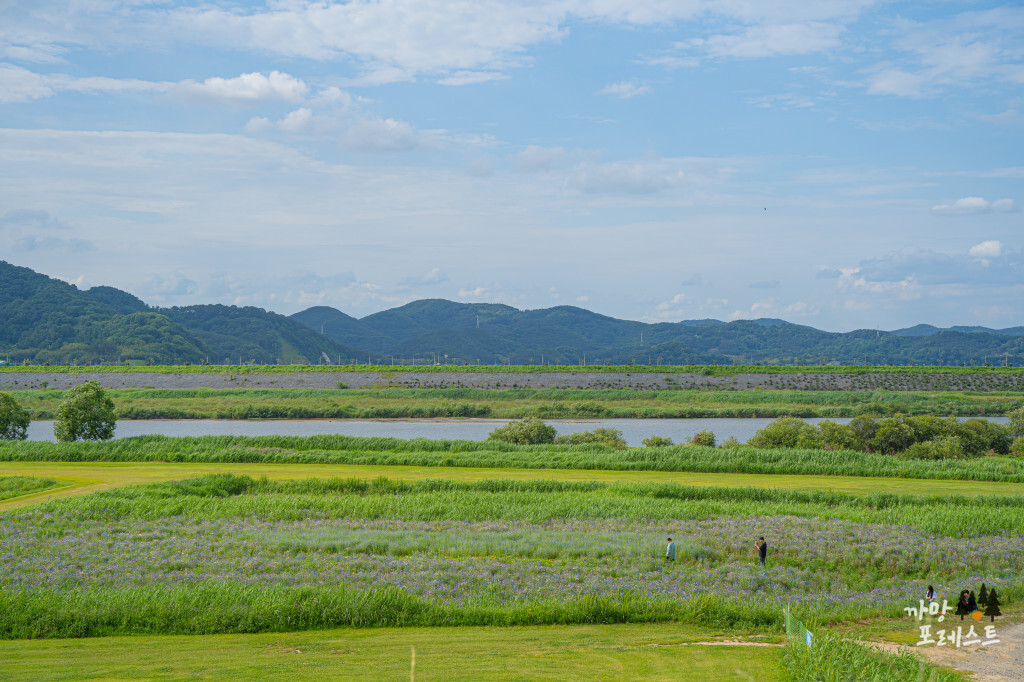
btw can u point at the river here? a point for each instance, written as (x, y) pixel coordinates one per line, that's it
(633, 430)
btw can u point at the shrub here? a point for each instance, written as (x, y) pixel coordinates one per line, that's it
(659, 442)
(947, 447)
(705, 438)
(784, 432)
(528, 431)
(892, 436)
(837, 436)
(13, 419)
(86, 414)
(731, 443)
(1018, 447)
(1016, 422)
(610, 437)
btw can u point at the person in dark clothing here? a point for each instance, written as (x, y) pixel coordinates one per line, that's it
(963, 605)
(762, 549)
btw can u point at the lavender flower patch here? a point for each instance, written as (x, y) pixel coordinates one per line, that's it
(826, 562)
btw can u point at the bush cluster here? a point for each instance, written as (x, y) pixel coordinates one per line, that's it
(917, 437)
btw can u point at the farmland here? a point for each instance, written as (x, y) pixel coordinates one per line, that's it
(306, 534)
(233, 551)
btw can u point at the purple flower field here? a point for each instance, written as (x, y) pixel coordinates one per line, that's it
(811, 561)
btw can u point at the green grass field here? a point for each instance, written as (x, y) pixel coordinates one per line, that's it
(466, 541)
(82, 478)
(663, 651)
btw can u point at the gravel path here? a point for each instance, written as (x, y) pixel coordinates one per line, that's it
(1002, 661)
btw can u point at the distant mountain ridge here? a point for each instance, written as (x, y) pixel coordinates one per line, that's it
(47, 320)
(431, 329)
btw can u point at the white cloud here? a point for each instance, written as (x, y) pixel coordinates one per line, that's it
(383, 134)
(964, 206)
(21, 85)
(987, 249)
(247, 90)
(623, 177)
(624, 89)
(472, 77)
(477, 293)
(969, 49)
(974, 205)
(536, 158)
(771, 40)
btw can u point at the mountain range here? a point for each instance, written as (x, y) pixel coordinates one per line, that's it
(48, 320)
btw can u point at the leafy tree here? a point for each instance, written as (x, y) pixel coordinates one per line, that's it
(731, 443)
(656, 442)
(837, 436)
(86, 414)
(892, 436)
(705, 438)
(528, 431)
(1017, 448)
(864, 426)
(1017, 422)
(947, 447)
(992, 607)
(784, 432)
(610, 437)
(13, 419)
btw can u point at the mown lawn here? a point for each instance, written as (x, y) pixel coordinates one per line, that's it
(591, 652)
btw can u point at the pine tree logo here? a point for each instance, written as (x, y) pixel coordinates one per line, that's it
(992, 605)
(982, 596)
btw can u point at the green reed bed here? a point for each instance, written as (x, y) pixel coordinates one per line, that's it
(338, 449)
(832, 659)
(16, 486)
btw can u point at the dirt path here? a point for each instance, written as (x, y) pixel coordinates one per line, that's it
(1001, 661)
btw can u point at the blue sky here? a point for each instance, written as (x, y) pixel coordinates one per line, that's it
(842, 164)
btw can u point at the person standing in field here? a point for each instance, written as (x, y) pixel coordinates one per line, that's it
(762, 549)
(670, 551)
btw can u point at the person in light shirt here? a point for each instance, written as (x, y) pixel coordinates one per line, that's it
(670, 551)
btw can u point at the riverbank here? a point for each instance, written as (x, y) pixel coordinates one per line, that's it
(926, 379)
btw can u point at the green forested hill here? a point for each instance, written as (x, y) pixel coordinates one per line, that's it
(47, 320)
(468, 332)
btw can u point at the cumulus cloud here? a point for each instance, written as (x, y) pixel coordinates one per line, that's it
(625, 89)
(986, 263)
(300, 121)
(245, 90)
(973, 205)
(987, 249)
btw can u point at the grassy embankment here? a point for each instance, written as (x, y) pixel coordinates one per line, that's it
(289, 403)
